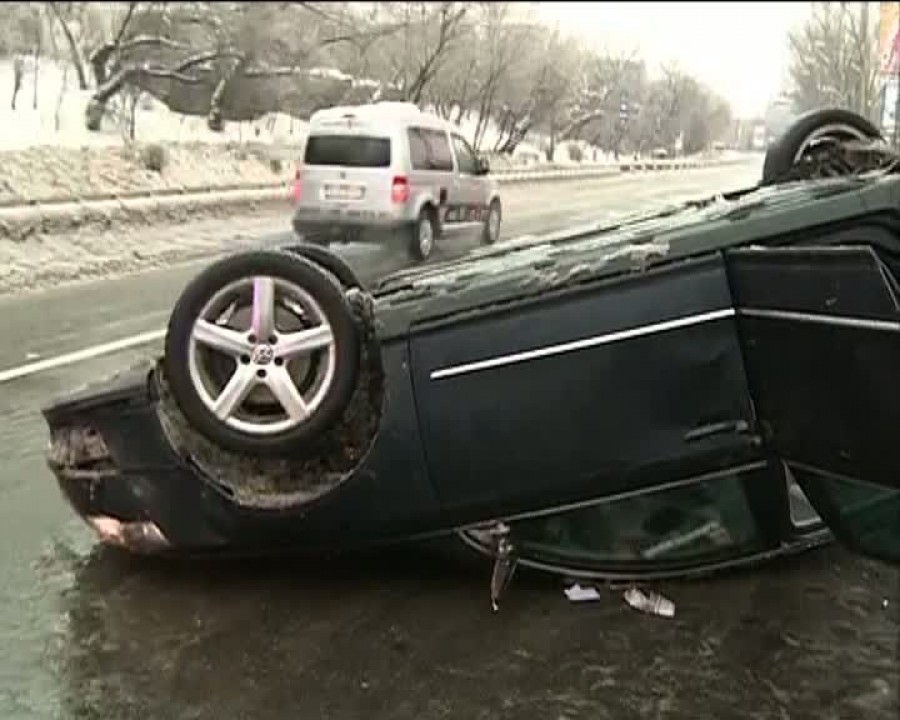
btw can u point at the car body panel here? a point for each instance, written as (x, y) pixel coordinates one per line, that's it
(638, 364)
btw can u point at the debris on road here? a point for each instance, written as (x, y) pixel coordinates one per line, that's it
(581, 593)
(651, 603)
(504, 564)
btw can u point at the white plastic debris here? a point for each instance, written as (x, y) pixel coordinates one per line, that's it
(651, 603)
(579, 593)
(32, 356)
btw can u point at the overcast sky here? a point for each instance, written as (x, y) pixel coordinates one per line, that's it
(737, 48)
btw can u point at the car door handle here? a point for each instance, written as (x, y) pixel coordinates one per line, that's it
(737, 427)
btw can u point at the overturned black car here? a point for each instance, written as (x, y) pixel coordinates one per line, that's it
(709, 385)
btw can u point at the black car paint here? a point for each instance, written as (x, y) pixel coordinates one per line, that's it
(409, 485)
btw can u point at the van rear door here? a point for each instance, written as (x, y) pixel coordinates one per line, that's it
(346, 172)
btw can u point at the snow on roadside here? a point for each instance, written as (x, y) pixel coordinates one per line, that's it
(45, 173)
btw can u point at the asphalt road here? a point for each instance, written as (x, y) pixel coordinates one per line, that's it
(88, 634)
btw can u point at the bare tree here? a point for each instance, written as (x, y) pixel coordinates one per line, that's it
(833, 60)
(229, 61)
(411, 58)
(65, 16)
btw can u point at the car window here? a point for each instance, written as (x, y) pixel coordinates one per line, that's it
(863, 516)
(438, 149)
(465, 156)
(418, 149)
(709, 521)
(348, 150)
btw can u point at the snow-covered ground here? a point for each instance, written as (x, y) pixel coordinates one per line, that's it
(58, 120)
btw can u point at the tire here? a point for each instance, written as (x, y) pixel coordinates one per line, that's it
(418, 250)
(329, 261)
(489, 237)
(188, 362)
(831, 122)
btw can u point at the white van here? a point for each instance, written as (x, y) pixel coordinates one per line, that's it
(370, 172)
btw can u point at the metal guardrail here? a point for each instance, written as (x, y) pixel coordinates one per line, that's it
(506, 176)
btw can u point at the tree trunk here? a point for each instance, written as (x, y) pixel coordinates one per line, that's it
(96, 107)
(214, 120)
(59, 99)
(37, 63)
(551, 149)
(74, 52)
(18, 72)
(132, 114)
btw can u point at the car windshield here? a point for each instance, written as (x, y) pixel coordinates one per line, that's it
(348, 151)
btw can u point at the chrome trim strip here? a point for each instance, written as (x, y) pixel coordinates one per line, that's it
(582, 344)
(842, 321)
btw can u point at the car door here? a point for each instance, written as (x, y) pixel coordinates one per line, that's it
(473, 201)
(820, 328)
(442, 171)
(584, 394)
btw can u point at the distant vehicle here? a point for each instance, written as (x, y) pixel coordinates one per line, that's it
(719, 146)
(659, 153)
(370, 172)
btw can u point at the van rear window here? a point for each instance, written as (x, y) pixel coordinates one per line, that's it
(348, 150)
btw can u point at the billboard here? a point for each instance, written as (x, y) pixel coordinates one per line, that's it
(889, 64)
(889, 38)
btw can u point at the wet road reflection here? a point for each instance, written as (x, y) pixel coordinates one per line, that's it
(410, 635)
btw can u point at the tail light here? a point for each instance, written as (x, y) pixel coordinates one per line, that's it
(400, 190)
(295, 187)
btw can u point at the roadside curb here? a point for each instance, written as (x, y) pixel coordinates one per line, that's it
(62, 215)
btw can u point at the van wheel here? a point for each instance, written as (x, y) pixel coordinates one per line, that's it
(422, 233)
(490, 233)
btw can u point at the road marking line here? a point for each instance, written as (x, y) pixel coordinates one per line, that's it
(79, 355)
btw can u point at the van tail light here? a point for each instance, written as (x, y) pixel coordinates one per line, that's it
(295, 187)
(400, 190)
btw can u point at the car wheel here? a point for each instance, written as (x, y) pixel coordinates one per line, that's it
(262, 353)
(422, 234)
(808, 131)
(490, 233)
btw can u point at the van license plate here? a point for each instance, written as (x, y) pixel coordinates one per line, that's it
(344, 191)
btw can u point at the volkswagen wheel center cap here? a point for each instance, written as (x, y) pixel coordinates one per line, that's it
(263, 354)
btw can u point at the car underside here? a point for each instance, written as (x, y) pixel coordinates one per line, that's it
(704, 386)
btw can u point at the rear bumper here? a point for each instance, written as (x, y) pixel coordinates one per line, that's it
(117, 465)
(118, 472)
(308, 220)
